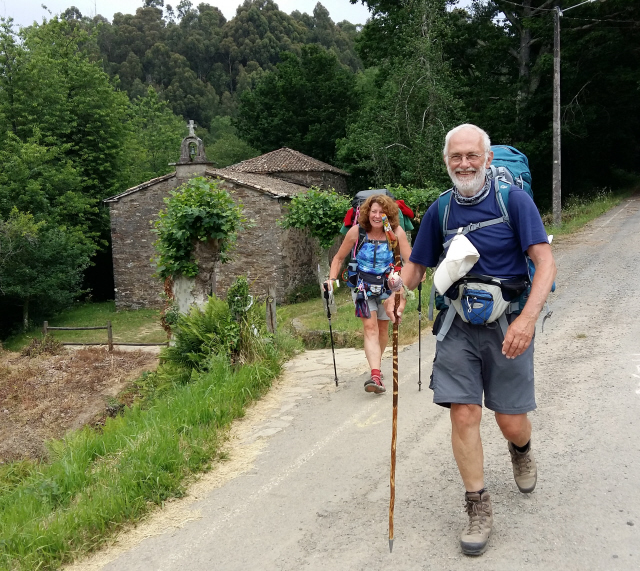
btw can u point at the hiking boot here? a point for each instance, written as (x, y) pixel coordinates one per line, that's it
(374, 385)
(525, 470)
(475, 537)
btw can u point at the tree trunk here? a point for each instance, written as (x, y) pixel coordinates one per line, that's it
(322, 254)
(25, 315)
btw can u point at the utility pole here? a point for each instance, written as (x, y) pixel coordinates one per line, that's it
(557, 147)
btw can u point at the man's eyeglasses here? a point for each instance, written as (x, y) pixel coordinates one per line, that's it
(471, 157)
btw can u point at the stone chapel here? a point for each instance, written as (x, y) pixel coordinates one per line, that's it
(267, 254)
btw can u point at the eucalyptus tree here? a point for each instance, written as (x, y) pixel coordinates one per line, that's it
(408, 94)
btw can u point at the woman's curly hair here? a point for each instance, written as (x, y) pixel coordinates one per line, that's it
(389, 207)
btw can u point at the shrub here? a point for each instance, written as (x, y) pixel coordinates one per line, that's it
(45, 346)
(235, 330)
(197, 210)
(202, 333)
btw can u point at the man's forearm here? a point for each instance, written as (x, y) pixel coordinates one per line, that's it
(412, 274)
(540, 288)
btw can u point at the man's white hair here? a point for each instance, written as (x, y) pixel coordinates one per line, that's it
(485, 138)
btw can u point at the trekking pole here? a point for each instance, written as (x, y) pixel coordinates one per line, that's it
(420, 336)
(333, 352)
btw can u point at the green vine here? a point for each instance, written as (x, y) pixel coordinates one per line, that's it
(196, 211)
(319, 211)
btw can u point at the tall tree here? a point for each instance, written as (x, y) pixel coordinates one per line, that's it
(154, 139)
(62, 132)
(409, 96)
(50, 89)
(47, 269)
(303, 104)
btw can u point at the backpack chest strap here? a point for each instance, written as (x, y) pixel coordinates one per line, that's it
(472, 227)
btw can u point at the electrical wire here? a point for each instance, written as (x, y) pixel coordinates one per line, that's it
(521, 6)
(605, 21)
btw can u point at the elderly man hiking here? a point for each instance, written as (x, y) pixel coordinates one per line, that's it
(485, 339)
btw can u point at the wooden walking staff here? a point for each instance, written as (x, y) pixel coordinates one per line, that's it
(394, 425)
(395, 246)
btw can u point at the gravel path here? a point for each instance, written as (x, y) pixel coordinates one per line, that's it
(307, 482)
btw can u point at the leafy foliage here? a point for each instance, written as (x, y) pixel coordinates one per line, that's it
(235, 331)
(408, 94)
(418, 199)
(52, 94)
(199, 62)
(197, 210)
(238, 298)
(296, 105)
(250, 317)
(154, 140)
(224, 147)
(319, 211)
(202, 333)
(47, 269)
(16, 233)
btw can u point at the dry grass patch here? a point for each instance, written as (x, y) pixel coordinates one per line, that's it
(43, 397)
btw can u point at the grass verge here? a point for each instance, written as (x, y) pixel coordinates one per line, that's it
(98, 481)
(580, 211)
(309, 320)
(129, 326)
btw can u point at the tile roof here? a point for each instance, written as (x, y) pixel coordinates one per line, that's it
(142, 186)
(284, 160)
(266, 184)
(261, 182)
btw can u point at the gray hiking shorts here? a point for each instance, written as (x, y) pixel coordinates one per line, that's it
(469, 362)
(375, 304)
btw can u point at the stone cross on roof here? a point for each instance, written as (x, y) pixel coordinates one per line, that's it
(192, 132)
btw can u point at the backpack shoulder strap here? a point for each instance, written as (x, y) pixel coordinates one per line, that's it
(444, 206)
(503, 188)
(362, 236)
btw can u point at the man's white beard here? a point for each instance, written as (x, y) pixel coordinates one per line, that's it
(468, 187)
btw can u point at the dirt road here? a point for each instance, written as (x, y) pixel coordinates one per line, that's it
(307, 482)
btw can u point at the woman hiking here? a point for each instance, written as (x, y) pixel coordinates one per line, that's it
(369, 245)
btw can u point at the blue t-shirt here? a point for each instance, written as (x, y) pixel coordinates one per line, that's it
(501, 248)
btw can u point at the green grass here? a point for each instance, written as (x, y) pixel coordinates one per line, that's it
(347, 328)
(578, 212)
(128, 326)
(51, 513)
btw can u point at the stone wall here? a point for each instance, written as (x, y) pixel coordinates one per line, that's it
(265, 253)
(319, 179)
(133, 247)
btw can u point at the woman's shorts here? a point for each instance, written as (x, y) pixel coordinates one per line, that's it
(469, 362)
(375, 304)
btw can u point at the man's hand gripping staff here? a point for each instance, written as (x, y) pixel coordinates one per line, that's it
(396, 287)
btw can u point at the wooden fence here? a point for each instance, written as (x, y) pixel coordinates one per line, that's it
(110, 343)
